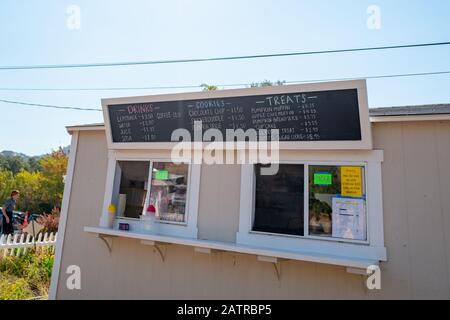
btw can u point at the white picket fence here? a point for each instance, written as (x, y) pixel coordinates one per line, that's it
(19, 244)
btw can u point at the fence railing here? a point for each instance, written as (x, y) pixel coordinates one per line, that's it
(19, 244)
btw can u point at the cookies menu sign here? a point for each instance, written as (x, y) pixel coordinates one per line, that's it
(303, 116)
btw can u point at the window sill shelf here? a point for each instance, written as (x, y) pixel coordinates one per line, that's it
(230, 247)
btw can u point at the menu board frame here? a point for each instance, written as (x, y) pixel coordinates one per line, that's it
(360, 85)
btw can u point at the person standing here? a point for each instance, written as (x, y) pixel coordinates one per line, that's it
(8, 208)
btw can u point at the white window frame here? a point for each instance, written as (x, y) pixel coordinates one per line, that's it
(188, 228)
(372, 249)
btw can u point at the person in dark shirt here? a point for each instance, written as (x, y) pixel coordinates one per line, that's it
(8, 208)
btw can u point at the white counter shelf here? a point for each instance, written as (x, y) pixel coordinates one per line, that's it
(263, 254)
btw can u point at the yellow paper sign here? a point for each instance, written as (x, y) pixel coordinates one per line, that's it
(351, 182)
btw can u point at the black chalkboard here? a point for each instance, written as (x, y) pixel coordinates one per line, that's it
(311, 116)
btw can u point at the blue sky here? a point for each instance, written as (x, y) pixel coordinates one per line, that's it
(35, 32)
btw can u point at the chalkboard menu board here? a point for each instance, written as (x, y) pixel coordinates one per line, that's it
(304, 116)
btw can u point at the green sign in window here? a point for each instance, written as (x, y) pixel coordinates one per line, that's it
(162, 175)
(323, 179)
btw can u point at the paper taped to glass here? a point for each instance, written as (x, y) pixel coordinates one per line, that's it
(349, 218)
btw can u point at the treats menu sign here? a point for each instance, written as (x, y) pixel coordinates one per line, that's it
(331, 115)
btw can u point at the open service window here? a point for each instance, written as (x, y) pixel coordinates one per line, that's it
(165, 195)
(326, 203)
(141, 186)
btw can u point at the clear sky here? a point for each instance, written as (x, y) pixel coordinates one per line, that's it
(36, 32)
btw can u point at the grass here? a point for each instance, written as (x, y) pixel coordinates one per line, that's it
(27, 276)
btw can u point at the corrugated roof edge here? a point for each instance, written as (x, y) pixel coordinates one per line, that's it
(429, 109)
(387, 113)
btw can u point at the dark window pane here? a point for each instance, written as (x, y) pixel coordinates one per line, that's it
(133, 187)
(279, 200)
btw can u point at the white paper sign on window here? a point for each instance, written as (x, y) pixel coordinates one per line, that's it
(349, 218)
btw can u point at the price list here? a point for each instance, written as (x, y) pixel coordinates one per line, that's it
(307, 116)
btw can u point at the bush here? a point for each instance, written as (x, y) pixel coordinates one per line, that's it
(39, 272)
(12, 288)
(27, 276)
(50, 221)
(15, 266)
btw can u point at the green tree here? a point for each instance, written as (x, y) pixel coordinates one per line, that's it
(54, 167)
(267, 83)
(40, 181)
(33, 164)
(30, 185)
(15, 164)
(207, 87)
(6, 185)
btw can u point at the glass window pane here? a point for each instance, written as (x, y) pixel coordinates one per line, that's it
(337, 199)
(168, 190)
(279, 200)
(133, 188)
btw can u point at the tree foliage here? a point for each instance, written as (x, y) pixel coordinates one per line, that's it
(264, 83)
(14, 164)
(40, 182)
(267, 83)
(30, 186)
(207, 87)
(6, 184)
(54, 168)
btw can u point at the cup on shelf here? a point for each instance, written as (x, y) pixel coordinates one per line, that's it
(107, 221)
(148, 220)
